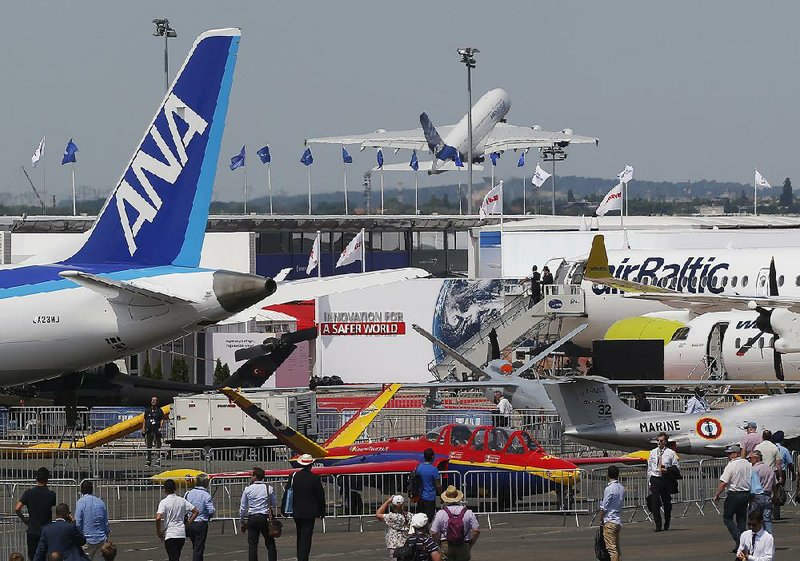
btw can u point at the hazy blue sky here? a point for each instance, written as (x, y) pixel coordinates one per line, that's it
(681, 90)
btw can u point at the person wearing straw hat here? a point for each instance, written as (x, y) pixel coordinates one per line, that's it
(398, 522)
(308, 504)
(455, 526)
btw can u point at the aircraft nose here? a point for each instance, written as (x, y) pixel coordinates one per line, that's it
(238, 291)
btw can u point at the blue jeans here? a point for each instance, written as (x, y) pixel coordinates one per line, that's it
(763, 502)
(736, 506)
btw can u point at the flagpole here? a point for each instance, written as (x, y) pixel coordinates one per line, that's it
(502, 213)
(309, 189)
(626, 199)
(524, 194)
(344, 164)
(460, 212)
(416, 192)
(755, 196)
(319, 255)
(364, 250)
(74, 204)
(382, 207)
(44, 176)
(245, 188)
(269, 185)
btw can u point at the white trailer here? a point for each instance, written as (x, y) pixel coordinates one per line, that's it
(211, 420)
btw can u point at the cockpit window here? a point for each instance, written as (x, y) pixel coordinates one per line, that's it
(459, 436)
(498, 438)
(516, 446)
(681, 334)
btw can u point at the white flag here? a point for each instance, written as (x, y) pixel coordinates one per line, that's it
(352, 252)
(540, 176)
(38, 153)
(625, 175)
(313, 259)
(760, 181)
(612, 201)
(492, 202)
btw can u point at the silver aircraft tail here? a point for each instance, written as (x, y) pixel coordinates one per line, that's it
(587, 400)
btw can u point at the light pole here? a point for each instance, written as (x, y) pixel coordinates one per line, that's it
(554, 154)
(164, 30)
(468, 58)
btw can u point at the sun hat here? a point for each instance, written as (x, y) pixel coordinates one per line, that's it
(398, 500)
(419, 520)
(305, 460)
(452, 495)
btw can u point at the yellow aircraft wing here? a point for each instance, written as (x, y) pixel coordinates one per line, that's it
(597, 271)
(359, 422)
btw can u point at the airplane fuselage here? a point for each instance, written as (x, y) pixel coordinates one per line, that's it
(489, 110)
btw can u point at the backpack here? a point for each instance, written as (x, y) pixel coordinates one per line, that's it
(455, 526)
(600, 549)
(414, 485)
(407, 551)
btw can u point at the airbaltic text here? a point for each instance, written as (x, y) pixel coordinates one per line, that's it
(695, 275)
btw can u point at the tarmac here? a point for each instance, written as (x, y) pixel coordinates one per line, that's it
(511, 538)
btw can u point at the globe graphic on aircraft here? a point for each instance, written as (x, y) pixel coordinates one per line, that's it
(463, 306)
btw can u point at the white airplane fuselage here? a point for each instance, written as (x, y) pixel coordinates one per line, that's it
(489, 110)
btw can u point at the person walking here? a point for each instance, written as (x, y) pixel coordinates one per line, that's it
(504, 410)
(171, 520)
(91, 518)
(755, 544)
(610, 513)
(61, 536)
(455, 526)
(736, 478)
(783, 475)
(419, 538)
(769, 451)
(431, 484)
(536, 286)
(256, 510)
(397, 520)
(151, 429)
(661, 458)
(751, 438)
(764, 479)
(547, 276)
(197, 531)
(39, 501)
(308, 504)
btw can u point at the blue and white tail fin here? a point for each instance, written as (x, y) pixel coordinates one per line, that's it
(157, 214)
(435, 142)
(587, 400)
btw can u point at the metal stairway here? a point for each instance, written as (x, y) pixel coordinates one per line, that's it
(516, 322)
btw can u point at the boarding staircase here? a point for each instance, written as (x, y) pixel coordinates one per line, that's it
(516, 323)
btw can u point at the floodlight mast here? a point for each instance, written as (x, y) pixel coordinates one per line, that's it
(164, 30)
(468, 58)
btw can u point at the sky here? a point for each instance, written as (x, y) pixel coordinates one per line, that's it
(682, 90)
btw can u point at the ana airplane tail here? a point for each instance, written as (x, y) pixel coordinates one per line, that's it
(587, 400)
(158, 211)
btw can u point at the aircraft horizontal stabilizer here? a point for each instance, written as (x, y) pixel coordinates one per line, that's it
(597, 271)
(428, 166)
(121, 292)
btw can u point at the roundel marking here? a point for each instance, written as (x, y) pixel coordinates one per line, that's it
(709, 428)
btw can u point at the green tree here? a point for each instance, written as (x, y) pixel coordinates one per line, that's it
(180, 370)
(221, 373)
(147, 370)
(570, 196)
(158, 372)
(787, 198)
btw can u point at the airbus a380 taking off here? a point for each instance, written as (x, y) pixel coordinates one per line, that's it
(490, 133)
(135, 280)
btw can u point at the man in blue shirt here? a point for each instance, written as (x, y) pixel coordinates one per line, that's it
(91, 517)
(610, 510)
(255, 511)
(431, 485)
(197, 531)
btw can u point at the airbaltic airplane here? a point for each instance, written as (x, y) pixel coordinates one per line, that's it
(490, 133)
(135, 281)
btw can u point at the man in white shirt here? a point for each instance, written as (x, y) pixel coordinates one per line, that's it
(736, 477)
(610, 511)
(661, 458)
(504, 410)
(756, 544)
(769, 451)
(171, 520)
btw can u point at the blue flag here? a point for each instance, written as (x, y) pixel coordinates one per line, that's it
(264, 154)
(69, 153)
(307, 159)
(238, 160)
(414, 162)
(521, 161)
(346, 157)
(494, 156)
(459, 163)
(379, 155)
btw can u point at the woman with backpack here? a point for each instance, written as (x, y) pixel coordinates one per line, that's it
(398, 522)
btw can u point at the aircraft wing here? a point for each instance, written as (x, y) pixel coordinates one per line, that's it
(121, 292)
(597, 271)
(313, 287)
(413, 139)
(513, 137)
(427, 165)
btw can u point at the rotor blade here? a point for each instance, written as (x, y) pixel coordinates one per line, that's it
(749, 344)
(549, 350)
(295, 337)
(474, 368)
(777, 362)
(773, 279)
